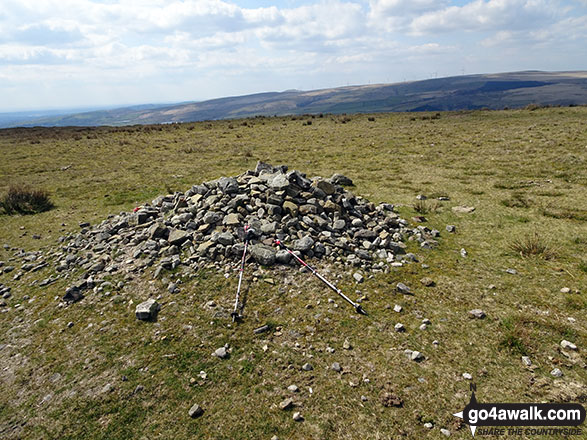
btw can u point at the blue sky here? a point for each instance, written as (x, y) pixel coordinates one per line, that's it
(72, 53)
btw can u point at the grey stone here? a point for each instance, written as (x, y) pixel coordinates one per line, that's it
(282, 256)
(359, 278)
(304, 244)
(402, 288)
(338, 225)
(445, 432)
(307, 367)
(556, 372)
(477, 313)
(567, 345)
(263, 254)
(195, 411)
(269, 228)
(212, 217)
(451, 228)
(339, 179)
(336, 367)
(147, 310)
(325, 186)
(298, 417)
(286, 404)
(262, 329)
(231, 219)
(221, 353)
(226, 238)
(278, 182)
(228, 185)
(177, 237)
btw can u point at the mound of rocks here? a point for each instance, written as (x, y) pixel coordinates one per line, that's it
(204, 227)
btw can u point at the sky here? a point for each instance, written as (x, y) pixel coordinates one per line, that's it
(89, 53)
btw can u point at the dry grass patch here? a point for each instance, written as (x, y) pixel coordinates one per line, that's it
(20, 199)
(533, 245)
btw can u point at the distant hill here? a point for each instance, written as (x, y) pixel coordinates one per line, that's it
(467, 92)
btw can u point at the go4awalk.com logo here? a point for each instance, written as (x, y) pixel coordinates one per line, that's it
(496, 419)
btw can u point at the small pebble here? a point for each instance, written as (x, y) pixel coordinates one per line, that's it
(298, 417)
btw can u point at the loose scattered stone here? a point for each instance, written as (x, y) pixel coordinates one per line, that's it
(286, 404)
(336, 367)
(293, 388)
(477, 313)
(195, 411)
(428, 282)
(568, 345)
(402, 288)
(526, 361)
(307, 367)
(511, 271)
(451, 228)
(221, 353)
(397, 308)
(147, 310)
(262, 329)
(467, 376)
(298, 417)
(565, 290)
(347, 345)
(445, 432)
(556, 372)
(399, 327)
(358, 277)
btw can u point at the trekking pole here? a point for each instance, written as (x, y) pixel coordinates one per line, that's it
(357, 307)
(235, 315)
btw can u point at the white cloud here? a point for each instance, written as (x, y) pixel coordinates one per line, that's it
(482, 15)
(205, 48)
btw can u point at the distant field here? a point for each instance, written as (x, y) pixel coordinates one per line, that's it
(524, 171)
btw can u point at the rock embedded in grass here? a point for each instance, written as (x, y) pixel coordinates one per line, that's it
(147, 310)
(298, 417)
(477, 314)
(220, 353)
(567, 345)
(195, 411)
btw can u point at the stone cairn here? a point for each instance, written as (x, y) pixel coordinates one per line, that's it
(203, 228)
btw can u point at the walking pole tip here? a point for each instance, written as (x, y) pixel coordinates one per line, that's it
(360, 310)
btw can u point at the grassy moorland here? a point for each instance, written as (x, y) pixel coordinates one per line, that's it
(110, 376)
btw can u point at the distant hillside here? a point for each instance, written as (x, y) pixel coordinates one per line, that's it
(467, 92)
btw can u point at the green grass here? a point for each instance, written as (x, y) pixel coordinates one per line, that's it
(520, 180)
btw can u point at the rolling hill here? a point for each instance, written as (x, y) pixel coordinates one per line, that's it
(467, 92)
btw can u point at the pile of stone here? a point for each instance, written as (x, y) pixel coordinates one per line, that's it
(203, 227)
